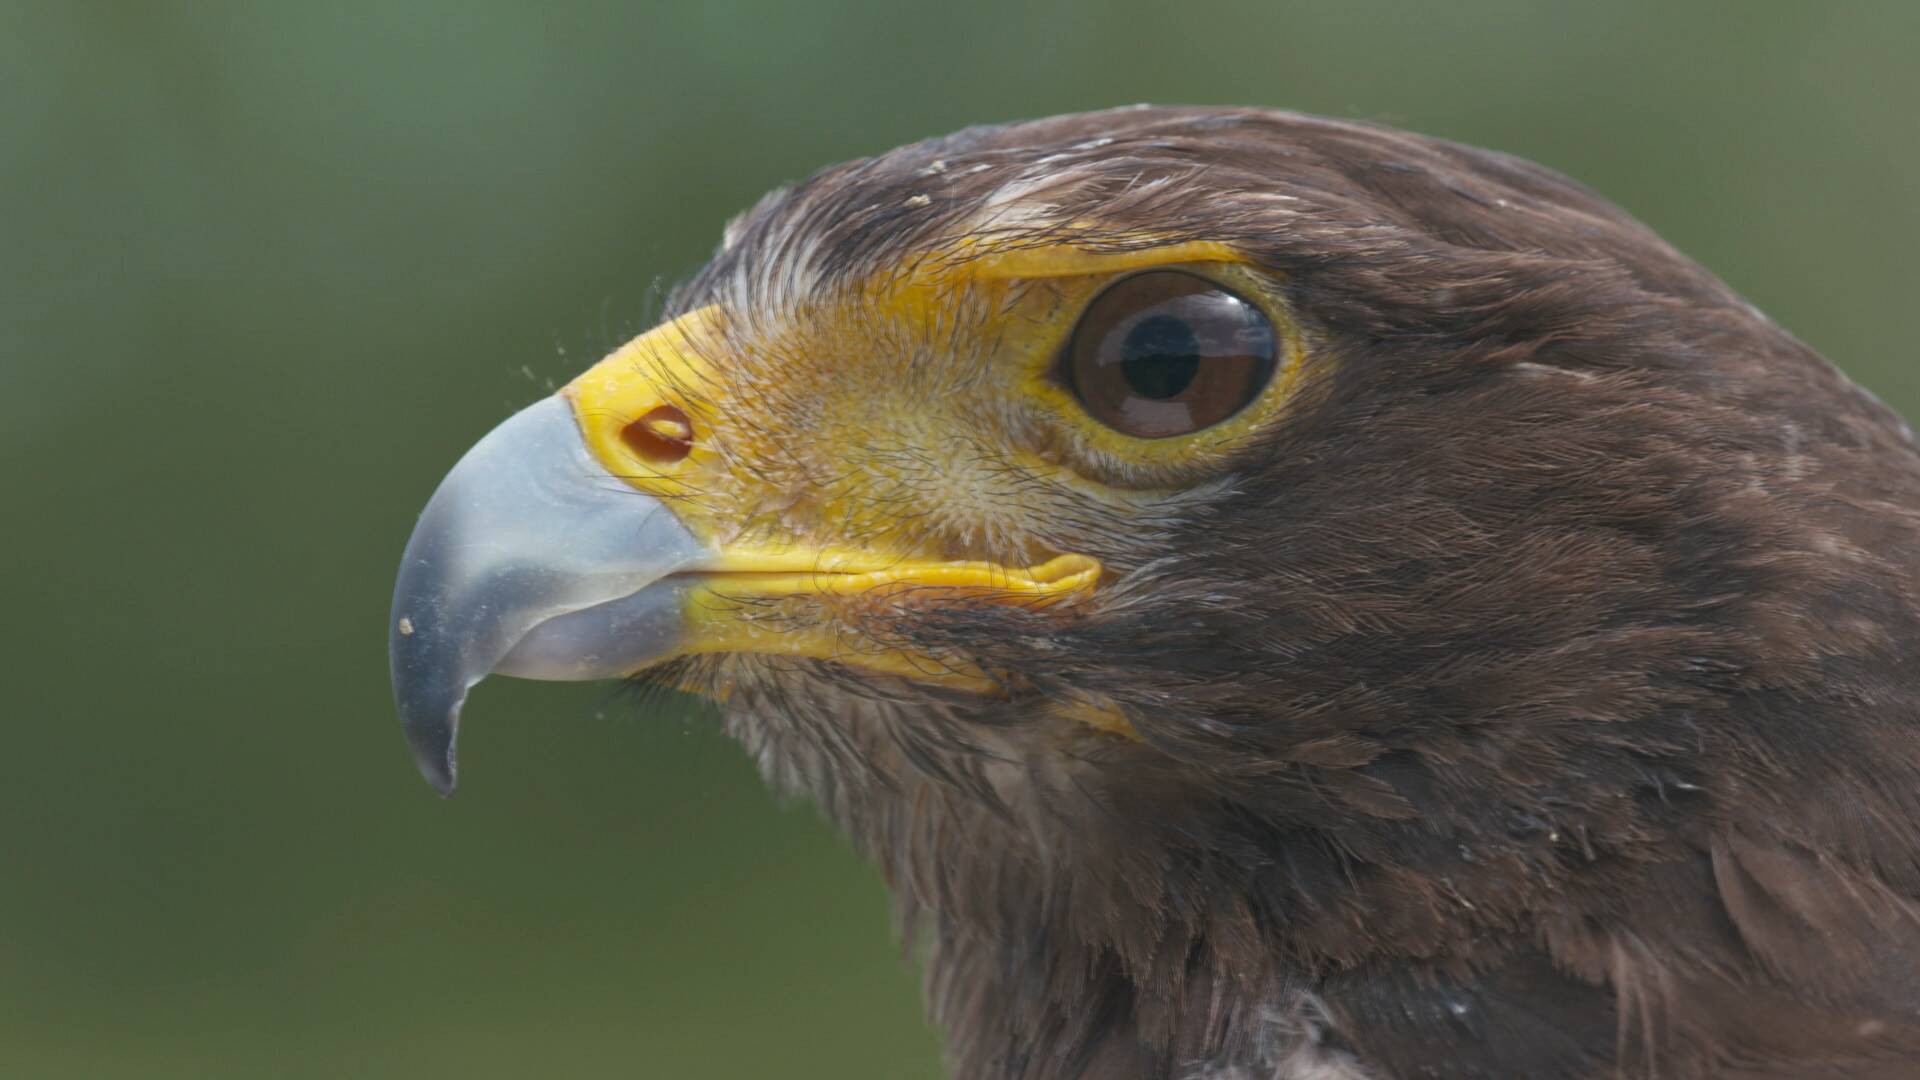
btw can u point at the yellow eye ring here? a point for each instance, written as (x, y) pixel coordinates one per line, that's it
(1164, 353)
(1123, 458)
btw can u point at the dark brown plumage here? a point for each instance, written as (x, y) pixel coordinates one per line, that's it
(1538, 699)
(1542, 701)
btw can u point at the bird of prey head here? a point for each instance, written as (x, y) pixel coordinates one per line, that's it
(1276, 597)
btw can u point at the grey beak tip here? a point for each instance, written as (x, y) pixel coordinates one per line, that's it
(428, 696)
(433, 755)
(443, 780)
(440, 773)
(431, 727)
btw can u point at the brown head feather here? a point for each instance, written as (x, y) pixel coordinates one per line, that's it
(1539, 700)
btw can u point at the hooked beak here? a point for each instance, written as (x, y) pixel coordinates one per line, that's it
(529, 560)
(570, 543)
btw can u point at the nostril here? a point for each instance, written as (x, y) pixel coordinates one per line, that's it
(660, 437)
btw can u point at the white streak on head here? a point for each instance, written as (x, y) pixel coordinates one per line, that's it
(1532, 369)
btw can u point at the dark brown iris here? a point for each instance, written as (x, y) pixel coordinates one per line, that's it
(1167, 353)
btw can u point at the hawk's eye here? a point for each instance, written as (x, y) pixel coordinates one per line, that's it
(1165, 353)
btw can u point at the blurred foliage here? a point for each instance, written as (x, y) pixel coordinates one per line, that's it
(265, 271)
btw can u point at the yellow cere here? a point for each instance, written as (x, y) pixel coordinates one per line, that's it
(664, 366)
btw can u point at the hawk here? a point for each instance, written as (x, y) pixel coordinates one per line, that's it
(1277, 598)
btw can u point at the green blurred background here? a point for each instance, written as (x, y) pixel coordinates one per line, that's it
(266, 270)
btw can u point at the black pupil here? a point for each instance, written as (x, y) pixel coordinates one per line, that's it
(1160, 357)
